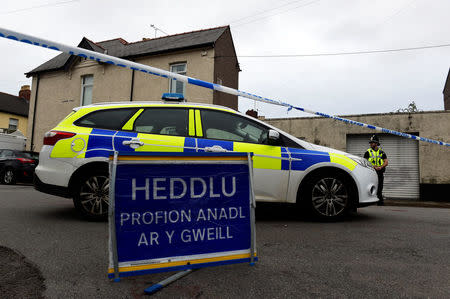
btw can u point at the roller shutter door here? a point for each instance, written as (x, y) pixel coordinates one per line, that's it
(401, 179)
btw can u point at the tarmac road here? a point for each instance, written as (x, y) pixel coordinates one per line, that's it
(379, 252)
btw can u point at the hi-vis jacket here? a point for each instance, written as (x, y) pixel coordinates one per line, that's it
(375, 157)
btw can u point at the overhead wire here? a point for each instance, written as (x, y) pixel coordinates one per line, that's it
(37, 6)
(264, 11)
(399, 11)
(340, 53)
(280, 12)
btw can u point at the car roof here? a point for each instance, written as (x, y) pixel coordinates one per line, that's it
(153, 103)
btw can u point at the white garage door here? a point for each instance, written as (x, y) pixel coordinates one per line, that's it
(401, 179)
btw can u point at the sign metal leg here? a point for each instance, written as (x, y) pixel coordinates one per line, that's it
(252, 211)
(111, 213)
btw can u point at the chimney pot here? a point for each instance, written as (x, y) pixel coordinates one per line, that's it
(25, 92)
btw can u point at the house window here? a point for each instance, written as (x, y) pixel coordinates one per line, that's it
(87, 83)
(13, 124)
(177, 86)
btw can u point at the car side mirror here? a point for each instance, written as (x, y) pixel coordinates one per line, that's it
(274, 137)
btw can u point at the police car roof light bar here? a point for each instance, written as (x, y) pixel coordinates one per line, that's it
(99, 57)
(173, 97)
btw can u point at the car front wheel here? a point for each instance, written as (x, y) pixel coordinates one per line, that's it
(328, 195)
(8, 177)
(91, 198)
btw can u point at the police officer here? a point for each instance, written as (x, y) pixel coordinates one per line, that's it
(379, 160)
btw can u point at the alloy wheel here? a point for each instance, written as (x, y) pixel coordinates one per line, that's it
(329, 197)
(94, 195)
(8, 177)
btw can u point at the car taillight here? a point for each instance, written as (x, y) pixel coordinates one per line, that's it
(25, 160)
(51, 137)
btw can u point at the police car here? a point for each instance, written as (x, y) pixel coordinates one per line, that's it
(74, 158)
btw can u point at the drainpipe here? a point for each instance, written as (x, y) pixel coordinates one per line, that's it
(34, 113)
(132, 85)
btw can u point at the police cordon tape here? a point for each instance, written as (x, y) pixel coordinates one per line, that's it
(99, 57)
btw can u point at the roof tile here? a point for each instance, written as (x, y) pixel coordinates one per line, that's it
(13, 104)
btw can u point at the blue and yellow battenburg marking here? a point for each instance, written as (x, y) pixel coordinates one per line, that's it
(101, 143)
(171, 157)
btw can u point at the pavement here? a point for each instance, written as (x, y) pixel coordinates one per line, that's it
(414, 203)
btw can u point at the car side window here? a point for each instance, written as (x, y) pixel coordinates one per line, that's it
(7, 154)
(163, 121)
(226, 126)
(285, 141)
(110, 119)
(24, 155)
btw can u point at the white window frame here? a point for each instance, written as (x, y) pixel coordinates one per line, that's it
(83, 86)
(181, 73)
(12, 120)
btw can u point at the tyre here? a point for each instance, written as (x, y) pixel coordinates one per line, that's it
(328, 195)
(8, 176)
(91, 195)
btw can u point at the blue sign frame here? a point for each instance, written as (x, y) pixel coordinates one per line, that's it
(177, 211)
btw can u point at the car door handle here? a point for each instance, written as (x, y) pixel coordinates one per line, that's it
(134, 143)
(215, 149)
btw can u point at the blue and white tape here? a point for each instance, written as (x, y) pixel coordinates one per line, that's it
(32, 40)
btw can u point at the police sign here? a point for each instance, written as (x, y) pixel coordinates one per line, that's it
(173, 211)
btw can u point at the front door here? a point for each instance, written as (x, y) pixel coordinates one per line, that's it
(220, 130)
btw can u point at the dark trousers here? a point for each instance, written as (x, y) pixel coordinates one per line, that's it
(380, 185)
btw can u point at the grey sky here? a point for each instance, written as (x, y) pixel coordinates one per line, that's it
(354, 84)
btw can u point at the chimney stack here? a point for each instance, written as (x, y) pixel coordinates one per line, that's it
(252, 113)
(25, 92)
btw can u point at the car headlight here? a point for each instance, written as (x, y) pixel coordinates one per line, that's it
(363, 162)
